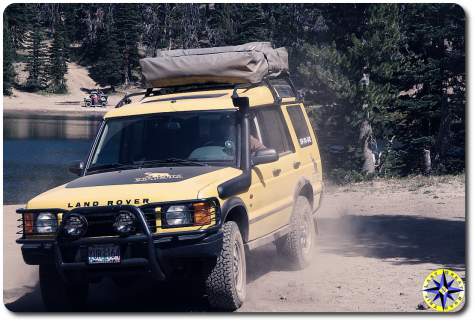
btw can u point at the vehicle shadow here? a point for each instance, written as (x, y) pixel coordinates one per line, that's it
(142, 296)
(408, 239)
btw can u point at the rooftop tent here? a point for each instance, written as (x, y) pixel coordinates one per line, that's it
(248, 63)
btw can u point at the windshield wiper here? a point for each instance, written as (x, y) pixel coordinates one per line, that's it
(168, 161)
(186, 161)
(111, 166)
(142, 164)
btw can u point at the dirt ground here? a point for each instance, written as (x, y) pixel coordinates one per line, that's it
(376, 244)
(76, 78)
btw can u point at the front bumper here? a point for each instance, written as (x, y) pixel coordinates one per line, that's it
(145, 251)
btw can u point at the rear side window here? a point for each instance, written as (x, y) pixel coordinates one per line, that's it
(282, 88)
(300, 125)
(275, 134)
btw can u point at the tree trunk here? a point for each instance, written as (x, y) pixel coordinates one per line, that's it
(427, 162)
(126, 72)
(366, 134)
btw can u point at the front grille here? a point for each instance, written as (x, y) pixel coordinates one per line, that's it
(101, 224)
(151, 218)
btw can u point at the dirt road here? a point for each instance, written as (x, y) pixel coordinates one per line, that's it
(377, 242)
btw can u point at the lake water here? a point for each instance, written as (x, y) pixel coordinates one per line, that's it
(37, 150)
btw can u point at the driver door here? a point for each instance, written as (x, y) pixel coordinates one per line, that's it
(271, 192)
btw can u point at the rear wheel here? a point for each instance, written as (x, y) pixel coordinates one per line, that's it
(226, 283)
(299, 244)
(59, 295)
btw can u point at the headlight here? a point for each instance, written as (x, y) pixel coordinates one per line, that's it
(46, 223)
(193, 214)
(125, 223)
(178, 215)
(75, 226)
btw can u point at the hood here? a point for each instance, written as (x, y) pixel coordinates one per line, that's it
(134, 187)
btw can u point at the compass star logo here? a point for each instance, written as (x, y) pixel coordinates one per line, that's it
(443, 290)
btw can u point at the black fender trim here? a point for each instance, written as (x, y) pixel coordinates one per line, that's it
(229, 204)
(300, 185)
(242, 218)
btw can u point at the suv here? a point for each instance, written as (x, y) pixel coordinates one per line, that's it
(181, 184)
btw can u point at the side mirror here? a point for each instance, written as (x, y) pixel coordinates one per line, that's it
(76, 167)
(265, 156)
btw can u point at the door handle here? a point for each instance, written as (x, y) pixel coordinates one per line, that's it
(276, 172)
(297, 164)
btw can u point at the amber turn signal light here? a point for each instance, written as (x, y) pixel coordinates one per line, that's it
(28, 223)
(202, 213)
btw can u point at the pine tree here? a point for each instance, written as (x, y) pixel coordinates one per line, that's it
(126, 33)
(107, 71)
(36, 58)
(250, 21)
(8, 59)
(218, 23)
(19, 17)
(432, 105)
(353, 73)
(57, 67)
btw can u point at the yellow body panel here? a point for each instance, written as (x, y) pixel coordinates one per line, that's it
(269, 200)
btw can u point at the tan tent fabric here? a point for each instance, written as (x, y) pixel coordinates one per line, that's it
(248, 63)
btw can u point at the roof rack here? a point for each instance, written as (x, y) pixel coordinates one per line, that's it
(274, 88)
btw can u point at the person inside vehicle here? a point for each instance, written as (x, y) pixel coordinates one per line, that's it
(255, 144)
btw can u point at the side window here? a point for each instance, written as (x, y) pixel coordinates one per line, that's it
(282, 88)
(274, 132)
(300, 125)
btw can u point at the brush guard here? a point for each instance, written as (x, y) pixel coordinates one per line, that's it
(145, 237)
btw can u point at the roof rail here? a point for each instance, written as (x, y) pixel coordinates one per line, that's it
(187, 88)
(171, 90)
(126, 98)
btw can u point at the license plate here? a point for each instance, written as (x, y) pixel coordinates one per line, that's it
(104, 254)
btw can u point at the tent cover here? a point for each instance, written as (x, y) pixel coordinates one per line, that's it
(248, 63)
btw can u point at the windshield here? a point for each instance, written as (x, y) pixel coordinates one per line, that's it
(179, 138)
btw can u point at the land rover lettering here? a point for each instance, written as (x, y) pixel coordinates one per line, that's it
(117, 202)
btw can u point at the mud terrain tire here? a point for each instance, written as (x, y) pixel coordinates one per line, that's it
(226, 283)
(299, 244)
(58, 295)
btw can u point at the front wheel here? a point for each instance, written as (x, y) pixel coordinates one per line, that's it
(59, 295)
(226, 283)
(299, 244)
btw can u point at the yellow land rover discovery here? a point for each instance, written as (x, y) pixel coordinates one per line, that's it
(183, 183)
